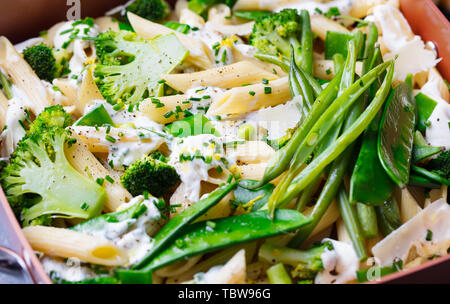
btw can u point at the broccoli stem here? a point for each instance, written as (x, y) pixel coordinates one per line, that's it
(277, 274)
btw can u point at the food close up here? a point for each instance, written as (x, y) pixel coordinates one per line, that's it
(238, 141)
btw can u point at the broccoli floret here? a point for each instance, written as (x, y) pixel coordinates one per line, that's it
(441, 164)
(47, 63)
(274, 34)
(159, 156)
(39, 181)
(149, 174)
(129, 68)
(306, 264)
(153, 10)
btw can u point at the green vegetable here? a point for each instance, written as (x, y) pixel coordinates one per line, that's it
(306, 54)
(97, 117)
(279, 162)
(153, 10)
(294, 183)
(130, 68)
(351, 224)
(396, 134)
(259, 196)
(388, 216)
(251, 15)
(47, 63)
(100, 222)
(246, 132)
(180, 222)
(5, 84)
(441, 164)
(378, 272)
(191, 126)
(103, 280)
(420, 181)
(198, 238)
(421, 150)
(299, 86)
(274, 35)
(367, 218)
(336, 43)
(306, 263)
(430, 175)
(277, 274)
(39, 176)
(150, 175)
(179, 27)
(201, 7)
(425, 107)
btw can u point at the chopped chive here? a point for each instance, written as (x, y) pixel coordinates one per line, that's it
(100, 181)
(109, 179)
(195, 99)
(265, 81)
(252, 93)
(110, 138)
(206, 97)
(145, 194)
(85, 206)
(168, 114)
(429, 236)
(186, 102)
(267, 90)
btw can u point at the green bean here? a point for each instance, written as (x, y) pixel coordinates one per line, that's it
(283, 63)
(313, 170)
(338, 61)
(351, 224)
(338, 108)
(178, 223)
(209, 236)
(306, 55)
(369, 50)
(368, 218)
(281, 159)
(300, 86)
(6, 85)
(277, 274)
(430, 175)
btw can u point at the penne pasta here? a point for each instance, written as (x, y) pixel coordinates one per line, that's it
(362, 8)
(250, 98)
(23, 77)
(107, 23)
(229, 76)
(252, 152)
(65, 243)
(199, 54)
(86, 163)
(320, 25)
(150, 109)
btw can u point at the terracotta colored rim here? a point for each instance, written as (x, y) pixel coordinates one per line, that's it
(435, 29)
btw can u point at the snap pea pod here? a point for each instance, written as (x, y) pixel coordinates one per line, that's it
(369, 50)
(420, 181)
(367, 217)
(277, 274)
(351, 224)
(306, 55)
(180, 222)
(97, 117)
(279, 162)
(251, 15)
(299, 86)
(6, 85)
(388, 215)
(293, 181)
(201, 237)
(312, 171)
(396, 134)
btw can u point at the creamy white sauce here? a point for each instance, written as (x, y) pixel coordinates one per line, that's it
(134, 235)
(69, 270)
(193, 172)
(77, 47)
(340, 264)
(207, 95)
(438, 132)
(15, 113)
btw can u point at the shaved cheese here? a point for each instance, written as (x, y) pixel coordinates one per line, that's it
(413, 234)
(401, 42)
